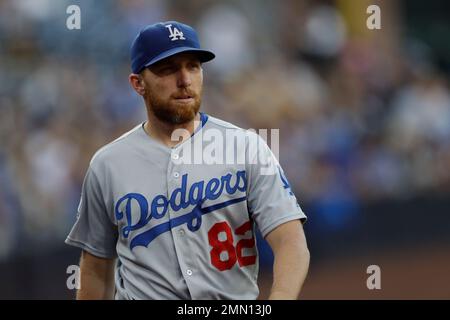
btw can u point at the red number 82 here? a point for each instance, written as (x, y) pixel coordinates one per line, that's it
(218, 246)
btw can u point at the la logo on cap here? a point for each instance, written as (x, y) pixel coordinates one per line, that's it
(175, 34)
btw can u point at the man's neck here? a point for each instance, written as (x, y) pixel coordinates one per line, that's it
(165, 132)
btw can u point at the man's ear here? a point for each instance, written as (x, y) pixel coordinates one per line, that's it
(137, 83)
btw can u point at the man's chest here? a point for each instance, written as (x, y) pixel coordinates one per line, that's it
(148, 203)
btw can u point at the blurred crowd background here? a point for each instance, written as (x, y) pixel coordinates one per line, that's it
(364, 119)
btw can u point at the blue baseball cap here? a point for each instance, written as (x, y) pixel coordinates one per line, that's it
(162, 40)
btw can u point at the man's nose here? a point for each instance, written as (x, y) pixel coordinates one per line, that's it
(184, 78)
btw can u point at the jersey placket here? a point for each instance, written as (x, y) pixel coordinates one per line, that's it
(184, 254)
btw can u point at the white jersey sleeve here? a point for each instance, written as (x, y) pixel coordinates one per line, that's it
(93, 231)
(271, 200)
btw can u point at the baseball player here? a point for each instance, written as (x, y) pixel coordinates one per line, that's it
(151, 226)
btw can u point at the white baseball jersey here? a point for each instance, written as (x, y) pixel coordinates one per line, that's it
(182, 230)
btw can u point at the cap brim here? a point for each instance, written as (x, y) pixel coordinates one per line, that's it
(204, 55)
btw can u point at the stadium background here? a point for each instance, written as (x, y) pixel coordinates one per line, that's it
(364, 118)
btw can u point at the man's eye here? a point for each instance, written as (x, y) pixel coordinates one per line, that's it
(194, 66)
(166, 69)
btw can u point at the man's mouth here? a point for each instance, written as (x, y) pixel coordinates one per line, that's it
(184, 98)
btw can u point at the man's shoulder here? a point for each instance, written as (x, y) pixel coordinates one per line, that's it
(222, 124)
(115, 147)
(217, 123)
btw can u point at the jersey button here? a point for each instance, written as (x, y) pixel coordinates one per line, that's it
(176, 174)
(181, 232)
(175, 156)
(189, 272)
